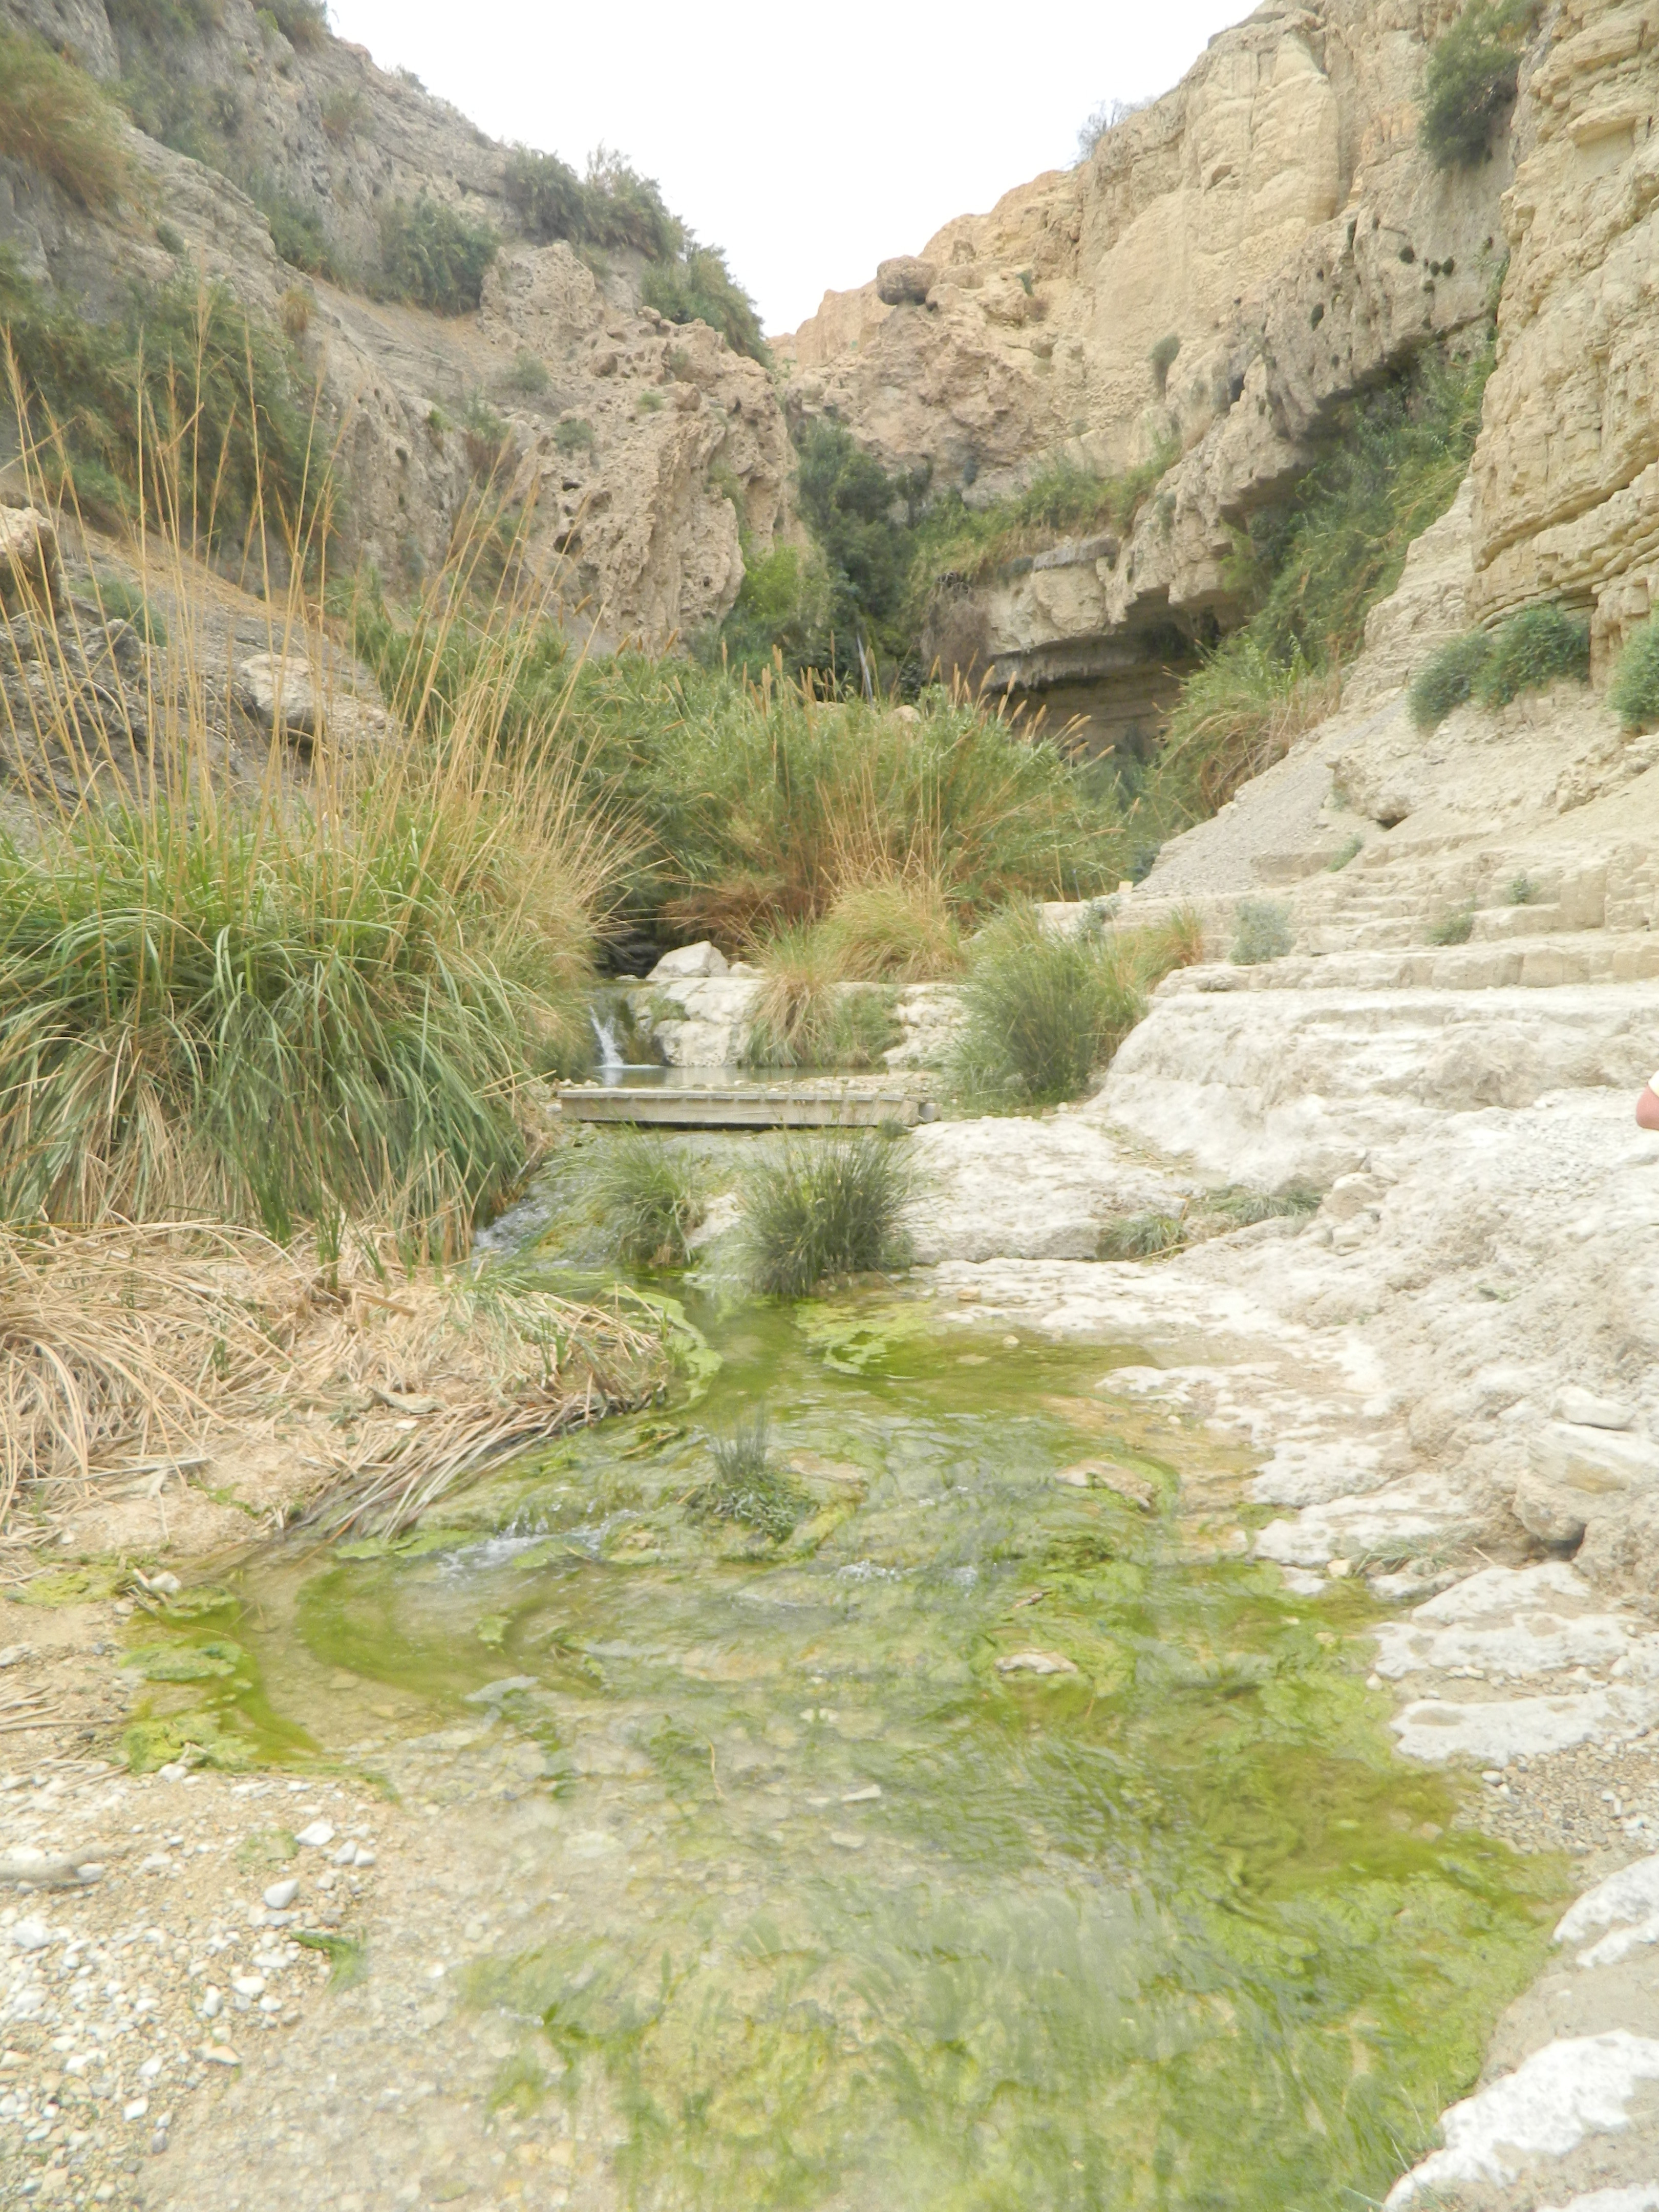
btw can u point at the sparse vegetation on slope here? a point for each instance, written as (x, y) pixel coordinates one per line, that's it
(1317, 567)
(184, 377)
(1531, 651)
(53, 119)
(434, 256)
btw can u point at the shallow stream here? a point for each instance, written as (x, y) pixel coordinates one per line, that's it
(832, 1907)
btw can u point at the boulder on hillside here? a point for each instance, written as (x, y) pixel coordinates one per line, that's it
(904, 281)
(31, 572)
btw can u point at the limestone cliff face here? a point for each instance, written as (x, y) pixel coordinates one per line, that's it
(1275, 214)
(636, 453)
(1566, 472)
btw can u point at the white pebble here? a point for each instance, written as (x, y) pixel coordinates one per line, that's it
(149, 2069)
(135, 2109)
(282, 1894)
(318, 1833)
(346, 1855)
(363, 1858)
(31, 1935)
(212, 2002)
(249, 1985)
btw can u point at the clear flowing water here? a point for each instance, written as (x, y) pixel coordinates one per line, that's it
(841, 1912)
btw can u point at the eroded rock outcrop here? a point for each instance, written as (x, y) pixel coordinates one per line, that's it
(1566, 472)
(642, 452)
(1228, 266)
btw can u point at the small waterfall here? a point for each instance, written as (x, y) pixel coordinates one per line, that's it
(611, 1060)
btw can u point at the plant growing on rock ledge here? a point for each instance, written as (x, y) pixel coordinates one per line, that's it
(432, 256)
(1262, 931)
(1633, 695)
(1471, 79)
(1531, 650)
(1044, 1011)
(1448, 679)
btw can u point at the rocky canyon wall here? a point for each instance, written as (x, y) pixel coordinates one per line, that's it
(644, 453)
(1276, 215)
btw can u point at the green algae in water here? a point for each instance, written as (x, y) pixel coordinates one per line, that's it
(860, 1919)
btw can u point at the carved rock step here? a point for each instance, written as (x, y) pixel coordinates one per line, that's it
(1535, 963)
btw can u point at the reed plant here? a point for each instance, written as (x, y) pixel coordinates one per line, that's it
(1046, 1011)
(651, 1196)
(823, 1208)
(283, 984)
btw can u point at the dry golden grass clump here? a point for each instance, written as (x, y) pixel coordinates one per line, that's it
(55, 120)
(127, 1352)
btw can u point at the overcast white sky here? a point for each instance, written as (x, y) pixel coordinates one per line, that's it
(809, 142)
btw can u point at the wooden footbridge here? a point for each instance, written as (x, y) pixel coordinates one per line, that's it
(747, 1105)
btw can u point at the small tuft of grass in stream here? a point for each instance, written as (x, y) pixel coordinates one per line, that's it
(748, 1486)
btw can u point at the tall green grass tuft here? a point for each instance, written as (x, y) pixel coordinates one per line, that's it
(651, 1196)
(823, 1208)
(766, 804)
(1633, 693)
(1043, 1011)
(312, 987)
(748, 1486)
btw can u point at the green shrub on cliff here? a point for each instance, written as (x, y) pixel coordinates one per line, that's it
(698, 287)
(1471, 79)
(54, 120)
(1531, 650)
(1446, 679)
(434, 257)
(1633, 695)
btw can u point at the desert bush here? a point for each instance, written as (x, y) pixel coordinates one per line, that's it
(54, 120)
(1454, 926)
(528, 373)
(821, 1208)
(1471, 79)
(1243, 1209)
(1043, 1011)
(613, 206)
(650, 1194)
(1448, 679)
(165, 19)
(184, 374)
(1142, 1237)
(1522, 891)
(432, 256)
(297, 231)
(575, 436)
(1262, 931)
(695, 286)
(1531, 650)
(303, 23)
(1060, 501)
(1162, 357)
(1350, 849)
(748, 1486)
(1633, 695)
(343, 113)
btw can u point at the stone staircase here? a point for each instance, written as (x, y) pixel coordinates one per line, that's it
(1449, 915)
